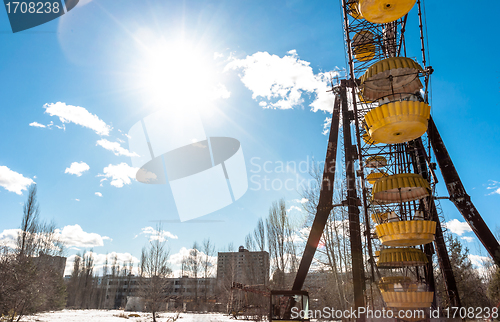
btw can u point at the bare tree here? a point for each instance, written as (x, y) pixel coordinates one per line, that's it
(193, 266)
(31, 280)
(73, 281)
(249, 242)
(154, 270)
(87, 280)
(207, 265)
(333, 256)
(103, 286)
(110, 280)
(280, 240)
(260, 235)
(127, 274)
(29, 225)
(226, 280)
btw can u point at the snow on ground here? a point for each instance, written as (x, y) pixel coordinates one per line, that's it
(121, 316)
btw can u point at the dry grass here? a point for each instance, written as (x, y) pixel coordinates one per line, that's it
(121, 315)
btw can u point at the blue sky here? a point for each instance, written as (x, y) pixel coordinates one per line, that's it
(101, 57)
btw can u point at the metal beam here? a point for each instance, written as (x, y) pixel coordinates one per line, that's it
(459, 196)
(358, 272)
(417, 150)
(444, 260)
(325, 200)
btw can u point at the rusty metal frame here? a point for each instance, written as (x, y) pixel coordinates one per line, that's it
(325, 200)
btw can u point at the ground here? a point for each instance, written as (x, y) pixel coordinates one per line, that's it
(120, 316)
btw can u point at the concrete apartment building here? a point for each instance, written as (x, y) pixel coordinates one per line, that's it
(178, 289)
(243, 266)
(56, 263)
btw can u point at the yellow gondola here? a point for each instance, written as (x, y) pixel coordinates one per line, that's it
(388, 283)
(362, 99)
(384, 11)
(395, 78)
(408, 300)
(380, 217)
(363, 46)
(364, 52)
(401, 257)
(374, 176)
(354, 11)
(400, 188)
(398, 122)
(401, 292)
(368, 139)
(376, 161)
(406, 233)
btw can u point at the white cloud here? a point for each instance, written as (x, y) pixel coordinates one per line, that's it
(8, 237)
(303, 200)
(116, 148)
(13, 181)
(177, 258)
(478, 260)
(100, 261)
(294, 208)
(467, 239)
(73, 235)
(326, 125)
(153, 234)
(218, 55)
(36, 124)
(496, 191)
(77, 115)
(120, 174)
(457, 227)
(77, 199)
(98, 194)
(283, 80)
(493, 185)
(483, 265)
(77, 168)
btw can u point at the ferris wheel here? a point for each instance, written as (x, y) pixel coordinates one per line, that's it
(392, 150)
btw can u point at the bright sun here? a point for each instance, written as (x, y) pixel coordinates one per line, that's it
(176, 74)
